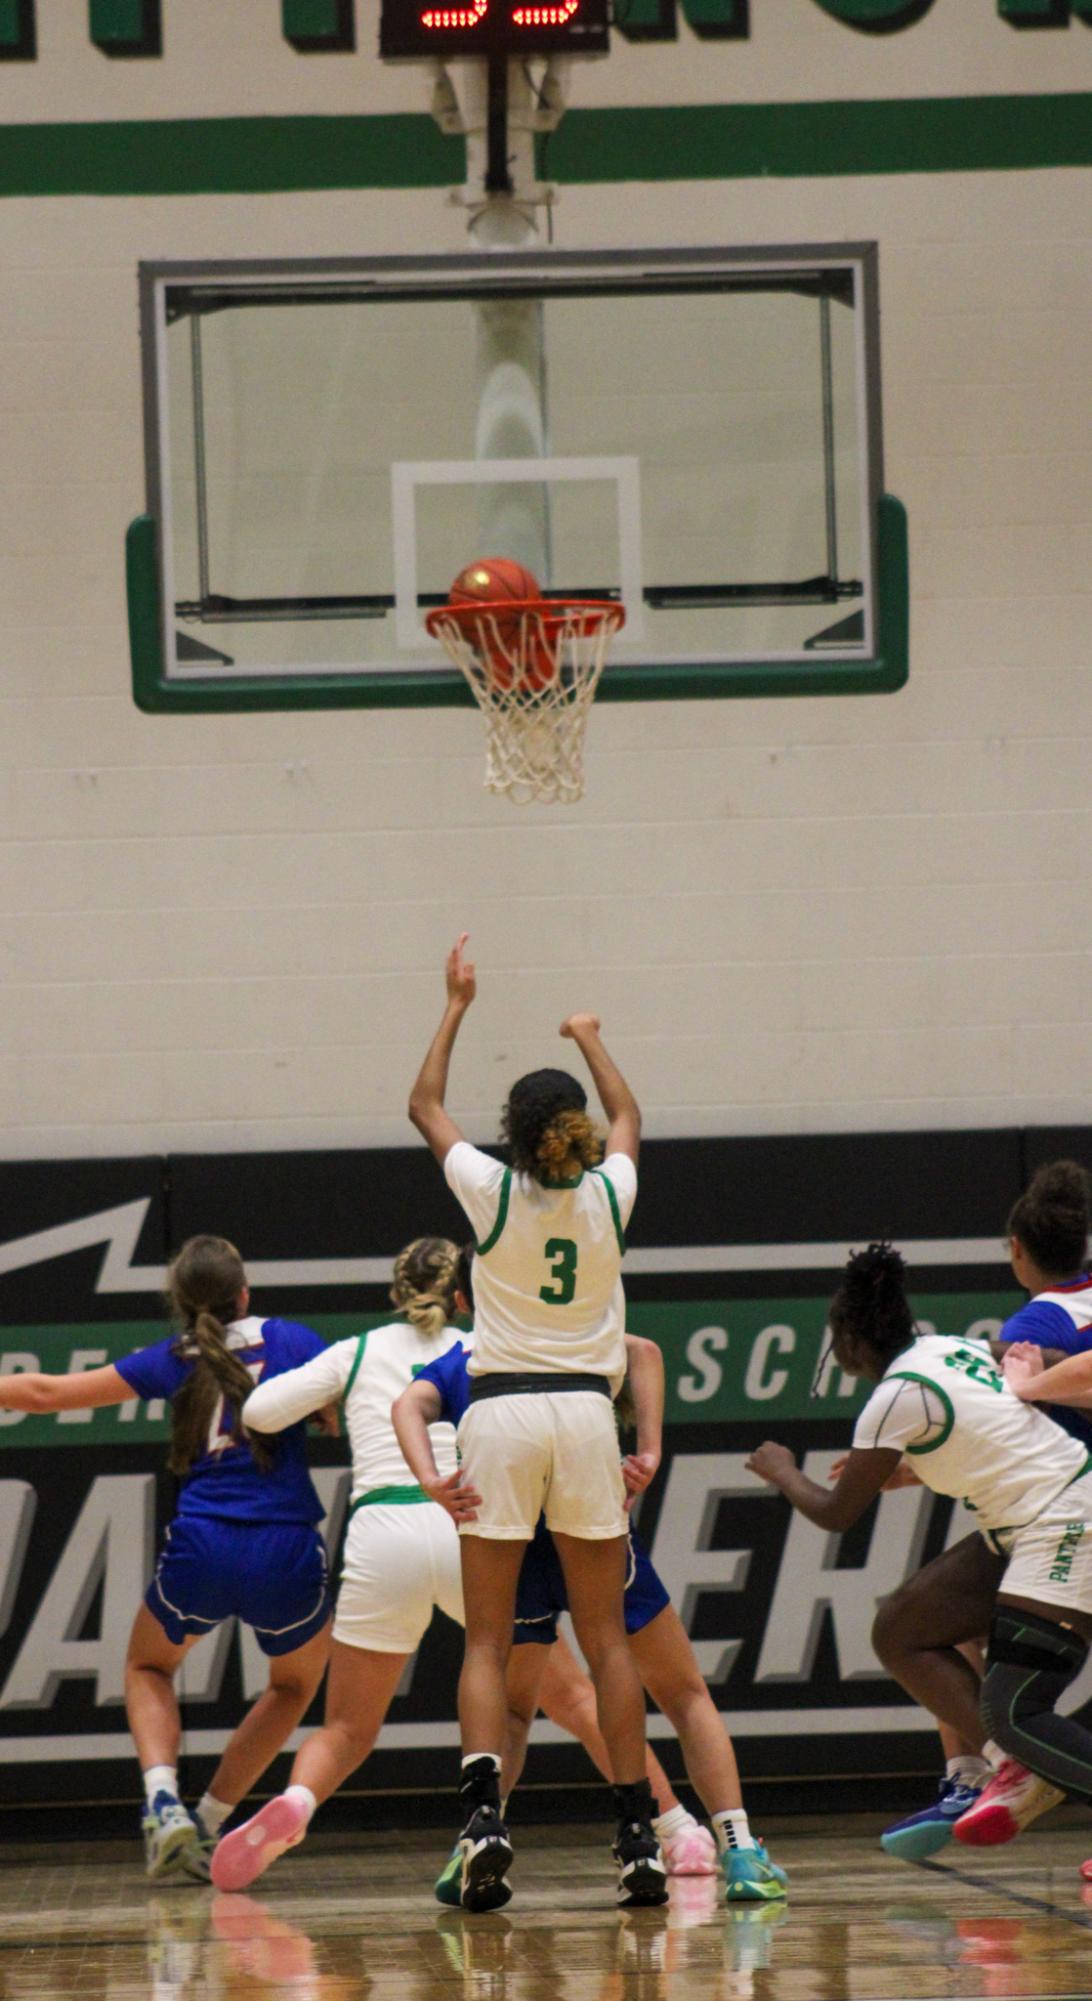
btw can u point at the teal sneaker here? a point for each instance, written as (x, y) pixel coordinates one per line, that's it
(448, 1887)
(930, 1830)
(750, 1877)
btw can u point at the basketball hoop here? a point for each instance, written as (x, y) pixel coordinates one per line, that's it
(533, 667)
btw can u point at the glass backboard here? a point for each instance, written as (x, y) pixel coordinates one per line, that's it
(330, 443)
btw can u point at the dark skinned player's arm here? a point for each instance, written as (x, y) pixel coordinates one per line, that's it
(834, 1508)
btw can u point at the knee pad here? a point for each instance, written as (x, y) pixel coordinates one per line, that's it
(1030, 1662)
(1024, 1640)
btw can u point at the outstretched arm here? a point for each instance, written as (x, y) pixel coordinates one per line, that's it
(426, 1105)
(618, 1102)
(89, 1391)
(411, 1415)
(645, 1368)
(1068, 1382)
(865, 1475)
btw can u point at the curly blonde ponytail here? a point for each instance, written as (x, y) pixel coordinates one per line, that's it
(425, 1279)
(569, 1136)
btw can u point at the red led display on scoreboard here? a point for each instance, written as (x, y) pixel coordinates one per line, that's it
(493, 27)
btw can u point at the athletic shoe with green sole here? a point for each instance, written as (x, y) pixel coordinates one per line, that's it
(750, 1877)
(448, 1887)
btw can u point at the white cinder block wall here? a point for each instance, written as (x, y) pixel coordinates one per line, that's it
(793, 916)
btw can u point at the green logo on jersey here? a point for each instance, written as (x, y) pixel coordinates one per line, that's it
(1066, 1551)
(978, 1367)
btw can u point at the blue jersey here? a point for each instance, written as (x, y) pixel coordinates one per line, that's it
(1060, 1318)
(226, 1480)
(540, 1593)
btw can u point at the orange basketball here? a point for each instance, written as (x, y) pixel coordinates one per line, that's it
(492, 579)
(489, 581)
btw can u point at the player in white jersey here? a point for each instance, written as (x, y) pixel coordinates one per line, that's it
(945, 1404)
(539, 1435)
(401, 1557)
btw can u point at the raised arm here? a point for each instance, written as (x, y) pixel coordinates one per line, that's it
(645, 1368)
(618, 1102)
(411, 1415)
(89, 1391)
(865, 1475)
(426, 1105)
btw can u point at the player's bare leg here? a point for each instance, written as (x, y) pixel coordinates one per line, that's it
(670, 1672)
(595, 1573)
(490, 1568)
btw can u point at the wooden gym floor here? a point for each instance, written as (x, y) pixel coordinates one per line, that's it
(349, 1919)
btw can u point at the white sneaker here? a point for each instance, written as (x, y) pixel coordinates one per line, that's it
(167, 1830)
(1011, 1801)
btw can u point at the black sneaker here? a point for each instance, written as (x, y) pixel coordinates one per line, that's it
(486, 1857)
(642, 1877)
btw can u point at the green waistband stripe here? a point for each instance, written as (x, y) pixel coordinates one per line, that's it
(390, 1497)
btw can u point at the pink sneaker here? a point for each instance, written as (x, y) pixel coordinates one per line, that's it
(691, 1852)
(1013, 1798)
(246, 1853)
(1086, 1870)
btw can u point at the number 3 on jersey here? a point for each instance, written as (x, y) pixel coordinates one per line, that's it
(561, 1251)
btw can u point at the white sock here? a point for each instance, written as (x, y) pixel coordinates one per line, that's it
(160, 1779)
(673, 1822)
(967, 1769)
(473, 1756)
(994, 1755)
(303, 1796)
(212, 1812)
(731, 1829)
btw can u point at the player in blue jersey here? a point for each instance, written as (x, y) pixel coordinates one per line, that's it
(244, 1542)
(662, 1652)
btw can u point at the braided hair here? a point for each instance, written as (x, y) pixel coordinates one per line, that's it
(870, 1308)
(203, 1286)
(546, 1127)
(425, 1277)
(1051, 1218)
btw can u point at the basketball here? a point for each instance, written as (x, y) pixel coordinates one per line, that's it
(492, 578)
(489, 581)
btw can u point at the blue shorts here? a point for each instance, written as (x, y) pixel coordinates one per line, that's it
(541, 1596)
(271, 1575)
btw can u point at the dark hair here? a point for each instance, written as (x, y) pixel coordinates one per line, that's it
(545, 1124)
(424, 1282)
(1051, 1218)
(870, 1305)
(203, 1286)
(464, 1277)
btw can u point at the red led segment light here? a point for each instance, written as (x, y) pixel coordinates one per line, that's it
(455, 17)
(545, 17)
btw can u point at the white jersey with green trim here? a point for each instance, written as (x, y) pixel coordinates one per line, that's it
(547, 1275)
(368, 1371)
(946, 1403)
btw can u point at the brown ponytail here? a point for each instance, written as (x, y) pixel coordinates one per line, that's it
(203, 1286)
(426, 1275)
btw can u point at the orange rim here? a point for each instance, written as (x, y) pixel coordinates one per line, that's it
(552, 611)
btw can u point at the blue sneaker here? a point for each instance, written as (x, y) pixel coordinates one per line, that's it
(925, 1833)
(750, 1877)
(168, 1830)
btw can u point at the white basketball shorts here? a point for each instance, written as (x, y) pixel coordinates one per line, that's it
(401, 1561)
(1051, 1559)
(552, 1450)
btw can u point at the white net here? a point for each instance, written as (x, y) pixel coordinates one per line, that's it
(533, 670)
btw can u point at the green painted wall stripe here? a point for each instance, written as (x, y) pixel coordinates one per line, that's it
(657, 143)
(881, 136)
(196, 156)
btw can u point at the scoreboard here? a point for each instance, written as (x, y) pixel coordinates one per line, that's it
(494, 27)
